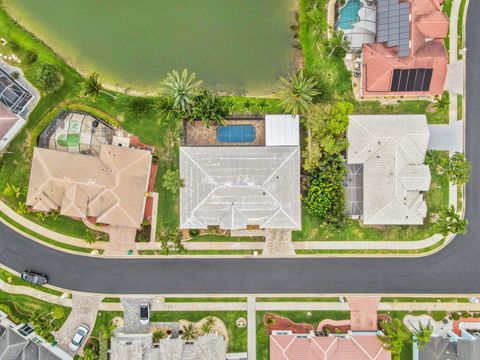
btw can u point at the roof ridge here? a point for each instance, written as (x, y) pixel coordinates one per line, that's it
(197, 165)
(281, 165)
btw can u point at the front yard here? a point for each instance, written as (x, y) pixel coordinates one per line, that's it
(237, 336)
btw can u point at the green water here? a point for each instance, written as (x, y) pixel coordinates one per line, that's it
(231, 44)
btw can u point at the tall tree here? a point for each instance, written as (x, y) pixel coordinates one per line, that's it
(395, 334)
(181, 87)
(422, 333)
(450, 222)
(296, 92)
(92, 86)
(209, 108)
(458, 169)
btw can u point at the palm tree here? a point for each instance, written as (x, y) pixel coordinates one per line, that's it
(92, 85)
(422, 333)
(209, 108)
(166, 109)
(395, 336)
(208, 324)
(297, 92)
(262, 106)
(442, 102)
(181, 88)
(451, 222)
(189, 332)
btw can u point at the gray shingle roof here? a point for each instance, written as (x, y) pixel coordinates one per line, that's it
(439, 348)
(392, 149)
(233, 187)
(11, 345)
(468, 349)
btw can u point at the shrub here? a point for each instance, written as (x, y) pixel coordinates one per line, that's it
(158, 335)
(30, 57)
(193, 232)
(465, 314)
(325, 196)
(455, 316)
(172, 181)
(7, 310)
(50, 78)
(14, 45)
(15, 75)
(139, 106)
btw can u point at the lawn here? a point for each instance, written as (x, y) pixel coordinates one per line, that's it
(12, 279)
(104, 320)
(20, 307)
(207, 299)
(312, 317)
(238, 336)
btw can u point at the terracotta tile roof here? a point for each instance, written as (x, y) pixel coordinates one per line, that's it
(429, 26)
(7, 120)
(110, 187)
(307, 347)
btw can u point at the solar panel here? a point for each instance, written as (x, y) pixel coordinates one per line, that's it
(409, 80)
(393, 25)
(395, 80)
(419, 81)
(427, 79)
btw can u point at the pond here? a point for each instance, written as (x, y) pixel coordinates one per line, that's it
(237, 45)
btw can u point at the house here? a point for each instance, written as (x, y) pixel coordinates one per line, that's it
(284, 345)
(14, 99)
(10, 125)
(388, 153)
(408, 56)
(454, 347)
(20, 342)
(244, 174)
(141, 347)
(109, 188)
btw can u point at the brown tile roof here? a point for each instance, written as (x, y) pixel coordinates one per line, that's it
(358, 347)
(7, 120)
(110, 187)
(429, 26)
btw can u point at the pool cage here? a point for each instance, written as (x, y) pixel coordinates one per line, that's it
(358, 21)
(12, 94)
(76, 132)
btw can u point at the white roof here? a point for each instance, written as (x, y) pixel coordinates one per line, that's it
(236, 186)
(392, 149)
(282, 130)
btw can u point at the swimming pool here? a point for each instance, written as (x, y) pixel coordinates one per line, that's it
(349, 14)
(236, 133)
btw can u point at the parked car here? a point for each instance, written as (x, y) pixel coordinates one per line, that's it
(79, 337)
(144, 313)
(34, 278)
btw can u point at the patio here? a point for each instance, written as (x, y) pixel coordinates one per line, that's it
(195, 134)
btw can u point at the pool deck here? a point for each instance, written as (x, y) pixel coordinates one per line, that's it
(195, 134)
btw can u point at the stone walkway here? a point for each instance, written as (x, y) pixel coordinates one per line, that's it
(84, 311)
(278, 243)
(122, 240)
(251, 328)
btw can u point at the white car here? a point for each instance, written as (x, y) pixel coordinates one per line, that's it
(79, 337)
(144, 313)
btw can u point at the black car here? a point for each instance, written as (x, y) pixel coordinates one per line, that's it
(34, 278)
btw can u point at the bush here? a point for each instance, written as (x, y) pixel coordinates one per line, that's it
(30, 57)
(455, 316)
(158, 335)
(172, 181)
(7, 310)
(139, 106)
(465, 314)
(325, 196)
(193, 232)
(14, 45)
(50, 78)
(15, 75)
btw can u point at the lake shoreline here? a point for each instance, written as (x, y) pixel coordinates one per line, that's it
(116, 86)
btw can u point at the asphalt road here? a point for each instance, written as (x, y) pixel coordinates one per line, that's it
(454, 270)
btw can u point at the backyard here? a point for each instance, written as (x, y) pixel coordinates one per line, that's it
(165, 134)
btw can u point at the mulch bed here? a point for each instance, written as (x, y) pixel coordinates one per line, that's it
(274, 322)
(336, 329)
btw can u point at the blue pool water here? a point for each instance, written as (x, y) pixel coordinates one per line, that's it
(236, 133)
(349, 14)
